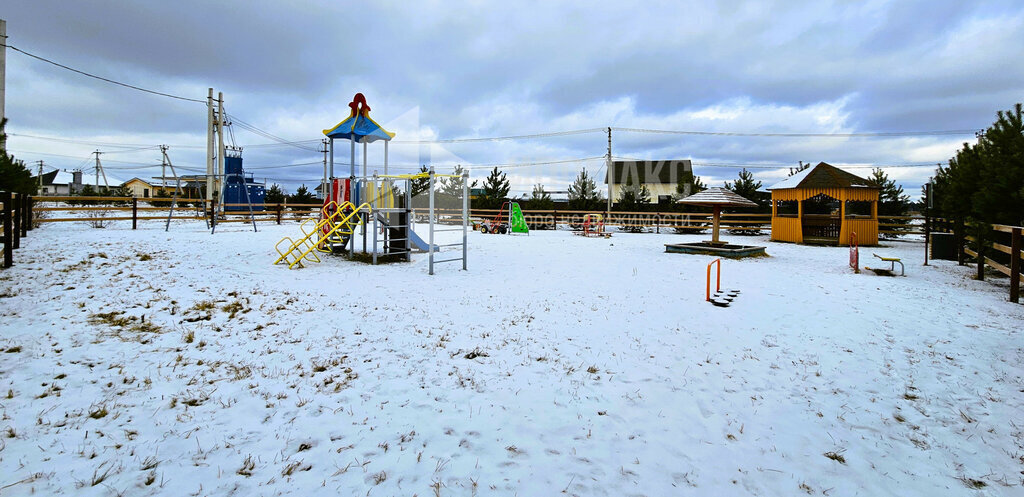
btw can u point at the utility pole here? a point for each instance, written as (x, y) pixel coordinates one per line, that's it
(165, 162)
(3, 76)
(608, 167)
(220, 148)
(40, 187)
(209, 146)
(323, 186)
(99, 171)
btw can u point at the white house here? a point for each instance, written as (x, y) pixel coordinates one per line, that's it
(60, 182)
(660, 177)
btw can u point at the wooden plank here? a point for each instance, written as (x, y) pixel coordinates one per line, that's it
(997, 266)
(85, 208)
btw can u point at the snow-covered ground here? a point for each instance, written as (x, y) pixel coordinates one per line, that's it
(152, 363)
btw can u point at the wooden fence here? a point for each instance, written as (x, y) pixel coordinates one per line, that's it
(136, 210)
(997, 246)
(16, 214)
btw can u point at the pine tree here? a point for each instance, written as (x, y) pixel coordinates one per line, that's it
(1000, 196)
(452, 187)
(540, 199)
(419, 186)
(985, 181)
(633, 198)
(496, 188)
(747, 188)
(274, 195)
(891, 200)
(688, 179)
(583, 193)
(302, 196)
(14, 176)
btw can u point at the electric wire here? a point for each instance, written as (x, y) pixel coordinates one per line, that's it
(101, 78)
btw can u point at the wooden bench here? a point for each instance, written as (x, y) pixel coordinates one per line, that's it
(892, 265)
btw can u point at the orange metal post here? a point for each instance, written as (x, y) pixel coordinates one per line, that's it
(718, 280)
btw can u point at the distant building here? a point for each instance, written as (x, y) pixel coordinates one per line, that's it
(660, 177)
(69, 183)
(144, 189)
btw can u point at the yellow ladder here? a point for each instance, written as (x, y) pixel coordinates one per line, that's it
(337, 224)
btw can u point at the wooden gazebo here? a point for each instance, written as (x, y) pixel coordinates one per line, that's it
(824, 204)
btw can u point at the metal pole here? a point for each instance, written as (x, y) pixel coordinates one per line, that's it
(332, 159)
(465, 215)
(385, 157)
(430, 243)
(3, 77)
(221, 119)
(608, 168)
(408, 219)
(373, 212)
(209, 146)
(323, 186)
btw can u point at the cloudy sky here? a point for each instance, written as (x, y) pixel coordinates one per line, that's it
(454, 70)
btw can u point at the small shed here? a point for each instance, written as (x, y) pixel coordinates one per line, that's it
(824, 204)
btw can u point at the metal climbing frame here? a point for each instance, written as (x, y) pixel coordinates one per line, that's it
(433, 220)
(386, 216)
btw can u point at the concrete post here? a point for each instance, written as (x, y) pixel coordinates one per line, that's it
(209, 147)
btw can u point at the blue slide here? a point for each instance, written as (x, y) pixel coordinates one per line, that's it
(419, 243)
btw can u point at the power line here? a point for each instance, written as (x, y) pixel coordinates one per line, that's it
(503, 138)
(951, 132)
(266, 134)
(101, 78)
(777, 165)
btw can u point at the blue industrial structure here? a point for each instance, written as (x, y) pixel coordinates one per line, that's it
(234, 180)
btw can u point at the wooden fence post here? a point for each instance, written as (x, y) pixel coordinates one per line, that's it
(927, 235)
(135, 212)
(15, 220)
(31, 200)
(279, 210)
(958, 240)
(1015, 253)
(8, 240)
(26, 217)
(981, 254)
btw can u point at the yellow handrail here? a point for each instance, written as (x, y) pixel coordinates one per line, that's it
(341, 224)
(305, 240)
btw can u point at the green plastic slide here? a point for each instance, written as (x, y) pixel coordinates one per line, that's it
(517, 222)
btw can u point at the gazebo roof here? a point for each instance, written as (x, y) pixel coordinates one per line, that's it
(717, 196)
(822, 176)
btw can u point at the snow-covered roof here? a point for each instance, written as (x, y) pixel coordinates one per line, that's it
(65, 177)
(822, 176)
(717, 196)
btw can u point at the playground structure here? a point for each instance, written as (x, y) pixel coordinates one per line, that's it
(716, 198)
(720, 298)
(593, 225)
(516, 221)
(370, 205)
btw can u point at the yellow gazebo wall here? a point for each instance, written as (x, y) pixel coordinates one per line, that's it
(789, 229)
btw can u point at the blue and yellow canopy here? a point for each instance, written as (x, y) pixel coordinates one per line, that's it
(359, 127)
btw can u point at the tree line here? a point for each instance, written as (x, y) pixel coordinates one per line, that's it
(983, 184)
